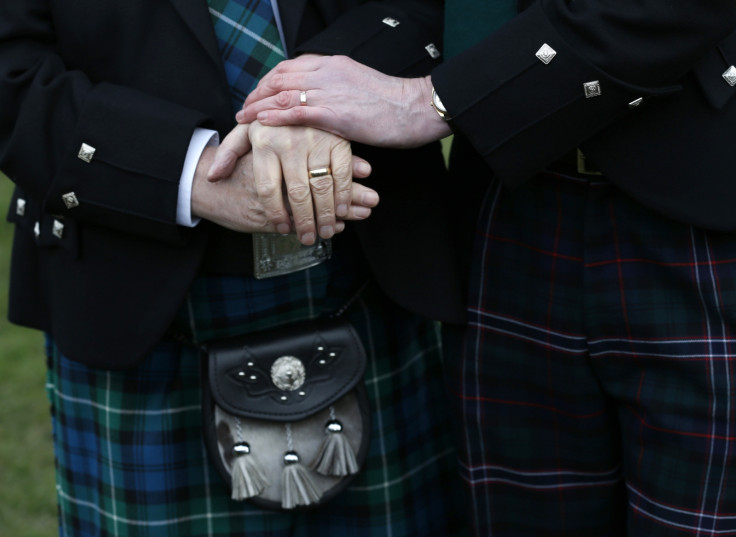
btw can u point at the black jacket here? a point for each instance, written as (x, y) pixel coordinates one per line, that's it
(662, 128)
(133, 79)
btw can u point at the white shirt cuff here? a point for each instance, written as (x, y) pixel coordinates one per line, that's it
(200, 139)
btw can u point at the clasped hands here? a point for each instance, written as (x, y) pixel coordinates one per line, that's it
(238, 185)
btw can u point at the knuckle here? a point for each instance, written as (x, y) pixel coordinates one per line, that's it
(325, 214)
(321, 185)
(277, 82)
(342, 170)
(304, 222)
(267, 190)
(299, 193)
(299, 113)
(282, 99)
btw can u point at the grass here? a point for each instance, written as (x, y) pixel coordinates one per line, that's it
(27, 484)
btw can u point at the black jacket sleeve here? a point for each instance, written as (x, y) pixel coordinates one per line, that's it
(55, 96)
(521, 113)
(400, 38)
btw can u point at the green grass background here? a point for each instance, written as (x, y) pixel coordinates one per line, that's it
(27, 484)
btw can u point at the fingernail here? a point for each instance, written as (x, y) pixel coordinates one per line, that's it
(240, 116)
(339, 227)
(326, 232)
(262, 116)
(342, 209)
(361, 212)
(283, 228)
(369, 198)
(307, 238)
(363, 167)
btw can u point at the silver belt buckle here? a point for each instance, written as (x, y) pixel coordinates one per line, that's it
(276, 255)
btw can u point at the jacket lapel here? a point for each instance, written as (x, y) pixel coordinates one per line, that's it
(196, 16)
(290, 13)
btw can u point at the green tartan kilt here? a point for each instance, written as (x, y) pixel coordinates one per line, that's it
(129, 449)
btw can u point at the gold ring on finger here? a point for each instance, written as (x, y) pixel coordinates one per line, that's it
(319, 172)
(302, 98)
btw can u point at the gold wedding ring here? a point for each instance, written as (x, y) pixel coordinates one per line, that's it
(319, 172)
(302, 98)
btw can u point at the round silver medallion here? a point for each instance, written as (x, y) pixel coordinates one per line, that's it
(288, 373)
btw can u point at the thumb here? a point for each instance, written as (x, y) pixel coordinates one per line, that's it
(235, 145)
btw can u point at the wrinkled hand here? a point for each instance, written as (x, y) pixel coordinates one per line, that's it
(287, 154)
(348, 99)
(232, 200)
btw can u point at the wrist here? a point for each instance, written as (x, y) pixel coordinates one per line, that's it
(201, 202)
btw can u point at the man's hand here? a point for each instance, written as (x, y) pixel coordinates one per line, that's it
(231, 200)
(347, 98)
(286, 155)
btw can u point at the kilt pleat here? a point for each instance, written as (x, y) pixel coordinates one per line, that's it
(129, 450)
(595, 382)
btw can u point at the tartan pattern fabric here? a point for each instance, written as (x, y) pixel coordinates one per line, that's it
(249, 43)
(130, 456)
(596, 385)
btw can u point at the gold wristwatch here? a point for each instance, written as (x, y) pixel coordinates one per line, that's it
(439, 107)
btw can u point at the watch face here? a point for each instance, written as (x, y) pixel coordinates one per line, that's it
(438, 103)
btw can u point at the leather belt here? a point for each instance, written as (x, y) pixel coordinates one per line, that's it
(228, 254)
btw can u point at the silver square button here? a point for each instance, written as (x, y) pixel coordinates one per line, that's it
(70, 200)
(546, 53)
(86, 153)
(57, 229)
(592, 89)
(730, 76)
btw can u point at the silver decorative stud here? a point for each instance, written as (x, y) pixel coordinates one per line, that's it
(37, 230)
(636, 102)
(57, 229)
(334, 426)
(291, 457)
(433, 51)
(730, 76)
(240, 449)
(546, 53)
(20, 207)
(592, 89)
(390, 21)
(86, 152)
(70, 200)
(288, 373)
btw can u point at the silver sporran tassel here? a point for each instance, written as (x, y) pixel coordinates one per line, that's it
(297, 486)
(335, 456)
(248, 479)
